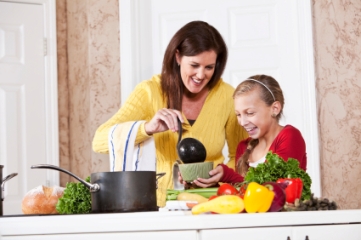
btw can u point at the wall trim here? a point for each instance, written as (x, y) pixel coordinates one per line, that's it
(307, 67)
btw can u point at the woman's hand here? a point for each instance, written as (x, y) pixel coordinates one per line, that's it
(165, 119)
(180, 179)
(216, 174)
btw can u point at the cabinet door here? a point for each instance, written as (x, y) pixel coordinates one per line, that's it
(329, 232)
(174, 235)
(269, 233)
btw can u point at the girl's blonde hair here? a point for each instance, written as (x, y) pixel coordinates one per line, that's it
(270, 91)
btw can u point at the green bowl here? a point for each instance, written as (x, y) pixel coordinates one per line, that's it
(192, 171)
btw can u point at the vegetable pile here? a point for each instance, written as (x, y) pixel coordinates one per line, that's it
(269, 197)
(273, 186)
(275, 168)
(76, 199)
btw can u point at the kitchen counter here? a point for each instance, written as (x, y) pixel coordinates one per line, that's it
(338, 224)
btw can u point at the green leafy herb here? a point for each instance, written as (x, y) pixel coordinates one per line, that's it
(274, 168)
(76, 199)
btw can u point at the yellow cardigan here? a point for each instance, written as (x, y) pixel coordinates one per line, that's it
(215, 124)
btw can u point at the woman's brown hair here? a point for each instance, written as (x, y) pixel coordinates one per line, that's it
(192, 39)
(270, 91)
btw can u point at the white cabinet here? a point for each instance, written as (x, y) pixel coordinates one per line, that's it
(341, 232)
(173, 235)
(318, 232)
(269, 233)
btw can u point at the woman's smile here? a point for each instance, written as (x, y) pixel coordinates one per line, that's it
(197, 71)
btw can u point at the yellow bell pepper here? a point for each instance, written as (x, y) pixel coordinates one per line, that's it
(257, 198)
(225, 204)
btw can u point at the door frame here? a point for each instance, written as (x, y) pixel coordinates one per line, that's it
(51, 85)
(132, 13)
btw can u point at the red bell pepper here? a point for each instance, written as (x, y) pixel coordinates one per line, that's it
(293, 190)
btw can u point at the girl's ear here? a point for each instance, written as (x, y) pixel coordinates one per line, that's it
(276, 108)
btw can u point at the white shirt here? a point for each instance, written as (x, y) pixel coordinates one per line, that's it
(254, 164)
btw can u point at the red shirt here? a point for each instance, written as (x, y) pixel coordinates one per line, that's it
(289, 143)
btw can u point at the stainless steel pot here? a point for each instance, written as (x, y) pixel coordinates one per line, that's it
(2, 184)
(128, 191)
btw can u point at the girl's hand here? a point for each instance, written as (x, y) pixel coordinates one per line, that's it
(216, 174)
(165, 119)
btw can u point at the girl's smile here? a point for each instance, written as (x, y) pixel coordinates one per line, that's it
(253, 114)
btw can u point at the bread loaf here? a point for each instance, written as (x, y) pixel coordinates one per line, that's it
(41, 200)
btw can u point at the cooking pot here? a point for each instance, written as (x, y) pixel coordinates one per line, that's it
(111, 192)
(2, 184)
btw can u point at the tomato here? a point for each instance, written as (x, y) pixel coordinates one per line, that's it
(227, 189)
(212, 197)
(242, 190)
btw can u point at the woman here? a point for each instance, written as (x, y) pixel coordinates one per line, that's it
(190, 89)
(259, 103)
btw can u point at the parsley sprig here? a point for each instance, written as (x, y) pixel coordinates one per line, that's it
(76, 199)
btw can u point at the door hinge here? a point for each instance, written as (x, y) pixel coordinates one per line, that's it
(45, 46)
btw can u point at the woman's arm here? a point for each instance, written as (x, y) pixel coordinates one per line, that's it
(234, 134)
(137, 107)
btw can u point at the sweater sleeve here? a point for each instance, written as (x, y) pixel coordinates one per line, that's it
(230, 175)
(133, 109)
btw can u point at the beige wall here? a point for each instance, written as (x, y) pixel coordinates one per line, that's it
(337, 35)
(88, 79)
(89, 88)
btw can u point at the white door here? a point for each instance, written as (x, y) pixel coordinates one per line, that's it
(272, 37)
(23, 135)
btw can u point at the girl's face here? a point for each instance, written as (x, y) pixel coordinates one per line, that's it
(197, 71)
(253, 114)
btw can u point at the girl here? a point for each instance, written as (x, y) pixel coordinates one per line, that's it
(259, 104)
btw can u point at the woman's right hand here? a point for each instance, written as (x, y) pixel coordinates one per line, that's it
(165, 119)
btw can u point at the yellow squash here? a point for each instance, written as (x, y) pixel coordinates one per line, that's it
(226, 204)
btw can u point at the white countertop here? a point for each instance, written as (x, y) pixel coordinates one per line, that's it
(165, 221)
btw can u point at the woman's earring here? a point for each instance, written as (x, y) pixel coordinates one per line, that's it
(274, 115)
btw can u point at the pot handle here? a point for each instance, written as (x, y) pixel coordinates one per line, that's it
(92, 187)
(7, 178)
(158, 175)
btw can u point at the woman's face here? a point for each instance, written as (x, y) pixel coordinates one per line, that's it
(197, 71)
(253, 114)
